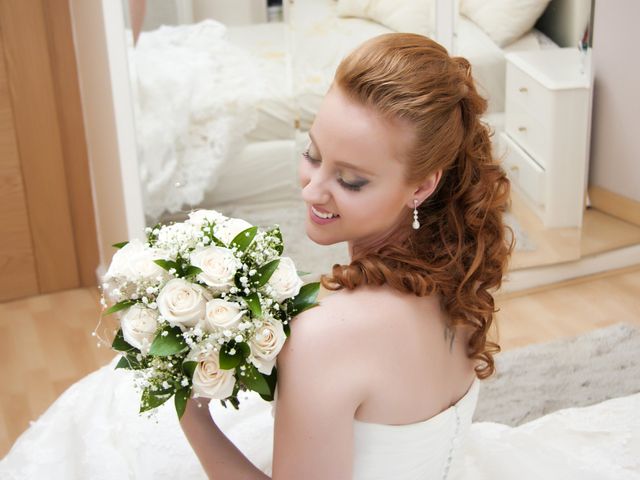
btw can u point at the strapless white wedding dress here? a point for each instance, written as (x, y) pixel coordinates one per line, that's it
(93, 431)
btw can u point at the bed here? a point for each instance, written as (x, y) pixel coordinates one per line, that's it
(256, 91)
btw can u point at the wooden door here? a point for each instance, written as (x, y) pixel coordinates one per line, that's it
(47, 227)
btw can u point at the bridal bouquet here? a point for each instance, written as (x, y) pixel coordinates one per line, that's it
(204, 308)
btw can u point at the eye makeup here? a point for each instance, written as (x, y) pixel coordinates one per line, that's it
(356, 186)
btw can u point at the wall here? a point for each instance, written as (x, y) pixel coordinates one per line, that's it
(615, 143)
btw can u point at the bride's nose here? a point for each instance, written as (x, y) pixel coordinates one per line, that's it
(315, 189)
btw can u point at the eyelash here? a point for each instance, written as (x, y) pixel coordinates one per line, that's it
(314, 161)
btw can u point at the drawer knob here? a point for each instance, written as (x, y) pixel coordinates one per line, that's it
(522, 129)
(523, 89)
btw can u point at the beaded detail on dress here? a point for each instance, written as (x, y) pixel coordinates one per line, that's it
(454, 439)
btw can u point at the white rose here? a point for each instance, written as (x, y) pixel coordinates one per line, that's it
(227, 230)
(139, 325)
(222, 314)
(135, 262)
(182, 303)
(209, 380)
(266, 344)
(218, 265)
(285, 281)
(199, 217)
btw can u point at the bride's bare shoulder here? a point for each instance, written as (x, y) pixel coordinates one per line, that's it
(368, 301)
(328, 343)
(348, 312)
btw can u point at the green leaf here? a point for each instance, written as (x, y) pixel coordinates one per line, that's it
(254, 380)
(242, 240)
(170, 344)
(118, 306)
(305, 299)
(151, 400)
(188, 368)
(119, 245)
(287, 329)
(120, 344)
(267, 398)
(167, 264)
(129, 362)
(180, 400)
(244, 348)
(253, 301)
(302, 273)
(229, 361)
(191, 271)
(235, 403)
(124, 363)
(272, 380)
(217, 242)
(264, 273)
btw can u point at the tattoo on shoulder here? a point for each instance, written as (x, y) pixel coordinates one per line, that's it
(449, 334)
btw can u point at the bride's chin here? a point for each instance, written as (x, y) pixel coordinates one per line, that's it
(318, 239)
(322, 242)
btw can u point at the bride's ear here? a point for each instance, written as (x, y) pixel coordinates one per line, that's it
(426, 188)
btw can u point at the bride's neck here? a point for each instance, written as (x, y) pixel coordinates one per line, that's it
(397, 235)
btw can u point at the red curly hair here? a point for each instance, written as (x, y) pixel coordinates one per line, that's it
(460, 250)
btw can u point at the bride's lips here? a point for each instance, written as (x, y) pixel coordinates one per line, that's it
(320, 220)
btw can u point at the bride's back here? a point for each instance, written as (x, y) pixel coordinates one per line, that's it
(412, 367)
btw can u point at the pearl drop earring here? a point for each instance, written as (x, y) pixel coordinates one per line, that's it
(416, 223)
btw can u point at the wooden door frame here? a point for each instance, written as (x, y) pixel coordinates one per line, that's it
(101, 53)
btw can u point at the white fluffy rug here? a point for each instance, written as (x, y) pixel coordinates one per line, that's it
(574, 372)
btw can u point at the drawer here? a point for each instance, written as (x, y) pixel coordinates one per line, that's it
(523, 171)
(532, 135)
(532, 96)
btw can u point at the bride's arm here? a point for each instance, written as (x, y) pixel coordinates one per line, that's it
(219, 457)
(321, 382)
(322, 379)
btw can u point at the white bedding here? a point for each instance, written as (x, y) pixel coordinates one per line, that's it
(300, 58)
(270, 45)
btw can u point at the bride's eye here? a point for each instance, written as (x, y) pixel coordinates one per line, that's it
(349, 186)
(343, 183)
(307, 155)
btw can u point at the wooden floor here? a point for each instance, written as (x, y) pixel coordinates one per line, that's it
(46, 342)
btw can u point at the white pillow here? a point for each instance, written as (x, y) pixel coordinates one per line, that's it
(412, 16)
(503, 20)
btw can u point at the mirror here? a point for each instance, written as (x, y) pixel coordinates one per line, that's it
(515, 64)
(225, 92)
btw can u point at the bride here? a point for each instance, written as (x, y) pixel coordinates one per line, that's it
(404, 337)
(381, 380)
